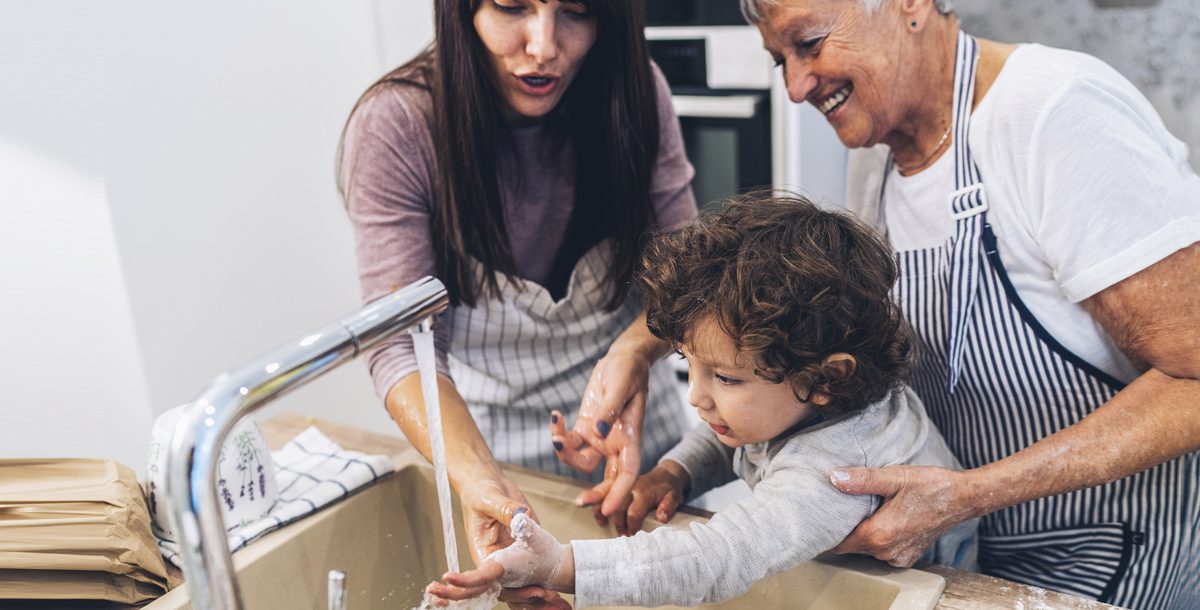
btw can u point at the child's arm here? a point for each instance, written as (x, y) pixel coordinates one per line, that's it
(792, 516)
(706, 460)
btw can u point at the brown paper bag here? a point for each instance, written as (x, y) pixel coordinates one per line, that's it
(76, 529)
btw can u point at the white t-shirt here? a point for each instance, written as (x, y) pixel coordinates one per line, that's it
(1085, 188)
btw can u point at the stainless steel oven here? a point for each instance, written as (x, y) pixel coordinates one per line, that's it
(739, 128)
(721, 90)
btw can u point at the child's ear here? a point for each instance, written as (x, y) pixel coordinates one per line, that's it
(839, 366)
(835, 367)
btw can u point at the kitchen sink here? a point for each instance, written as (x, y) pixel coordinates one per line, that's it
(388, 540)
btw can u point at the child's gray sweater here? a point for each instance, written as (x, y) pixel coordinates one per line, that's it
(793, 514)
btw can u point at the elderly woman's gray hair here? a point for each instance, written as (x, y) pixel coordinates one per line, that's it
(753, 9)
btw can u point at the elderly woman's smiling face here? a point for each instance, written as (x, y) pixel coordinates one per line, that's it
(843, 61)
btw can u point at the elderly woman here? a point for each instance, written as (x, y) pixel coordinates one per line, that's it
(1046, 224)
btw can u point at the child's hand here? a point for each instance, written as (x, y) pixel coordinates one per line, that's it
(660, 490)
(535, 558)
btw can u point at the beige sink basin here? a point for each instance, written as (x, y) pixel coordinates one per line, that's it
(388, 540)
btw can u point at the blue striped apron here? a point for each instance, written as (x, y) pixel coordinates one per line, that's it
(995, 381)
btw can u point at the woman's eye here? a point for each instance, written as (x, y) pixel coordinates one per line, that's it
(510, 10)
(811, 45)
(577, 13)
(723, 380)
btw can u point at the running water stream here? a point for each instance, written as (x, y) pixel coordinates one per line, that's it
(427, 369)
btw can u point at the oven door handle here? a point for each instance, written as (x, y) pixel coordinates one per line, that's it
(716, 106)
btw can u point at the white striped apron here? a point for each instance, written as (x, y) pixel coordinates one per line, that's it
(995, 381)
(518, 357)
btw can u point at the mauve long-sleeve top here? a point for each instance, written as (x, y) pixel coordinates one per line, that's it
(389, 172)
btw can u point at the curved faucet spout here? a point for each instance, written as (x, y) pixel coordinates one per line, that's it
(201, 431)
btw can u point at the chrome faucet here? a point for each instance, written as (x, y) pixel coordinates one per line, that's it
(202, 428)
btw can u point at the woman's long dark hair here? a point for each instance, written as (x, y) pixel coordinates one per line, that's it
(609, 114)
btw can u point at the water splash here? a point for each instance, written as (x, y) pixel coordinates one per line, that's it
(487, 601)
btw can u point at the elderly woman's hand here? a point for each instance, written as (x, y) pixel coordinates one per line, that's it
(609, 427)
(920, 503)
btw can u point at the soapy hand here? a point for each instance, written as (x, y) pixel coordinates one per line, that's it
(534, 558)
(609, 426)
(489, 506)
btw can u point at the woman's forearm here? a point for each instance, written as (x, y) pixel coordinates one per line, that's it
(1154, 419)
(638, 339)
(468, 457)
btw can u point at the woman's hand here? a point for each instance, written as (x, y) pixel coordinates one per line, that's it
(534, 558)
(609, 427)
(489, 506)
(610, 417)
(919, 504)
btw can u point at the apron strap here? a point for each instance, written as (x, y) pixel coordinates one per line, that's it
(968, 202)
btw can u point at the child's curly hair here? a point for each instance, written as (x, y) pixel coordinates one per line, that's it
(791, 284)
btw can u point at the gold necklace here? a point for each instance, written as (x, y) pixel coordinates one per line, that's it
(936, 149)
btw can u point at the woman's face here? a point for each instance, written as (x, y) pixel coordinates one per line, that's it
(844, 62)
(536, 48)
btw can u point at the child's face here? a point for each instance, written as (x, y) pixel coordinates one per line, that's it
(741, 407)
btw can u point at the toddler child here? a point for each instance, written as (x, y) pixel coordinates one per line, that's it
(796, 358)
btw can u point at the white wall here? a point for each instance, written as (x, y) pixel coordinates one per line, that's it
(1155, 45)
(71, 378)
(168, 208)
(809, 157)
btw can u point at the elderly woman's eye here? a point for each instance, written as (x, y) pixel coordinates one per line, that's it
(809, 45)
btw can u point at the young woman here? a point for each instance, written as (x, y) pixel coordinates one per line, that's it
(521, 159)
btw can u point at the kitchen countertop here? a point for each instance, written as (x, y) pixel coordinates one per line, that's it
(964, 590)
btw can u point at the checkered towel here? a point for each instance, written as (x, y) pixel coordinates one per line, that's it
(312, 471)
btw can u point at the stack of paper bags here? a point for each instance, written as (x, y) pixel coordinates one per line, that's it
(74, 529)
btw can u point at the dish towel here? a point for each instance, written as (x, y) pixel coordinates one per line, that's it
(312, 471)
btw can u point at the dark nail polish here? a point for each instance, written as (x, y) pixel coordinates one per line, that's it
(554, 418)
(603, 428)
(557, 446)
